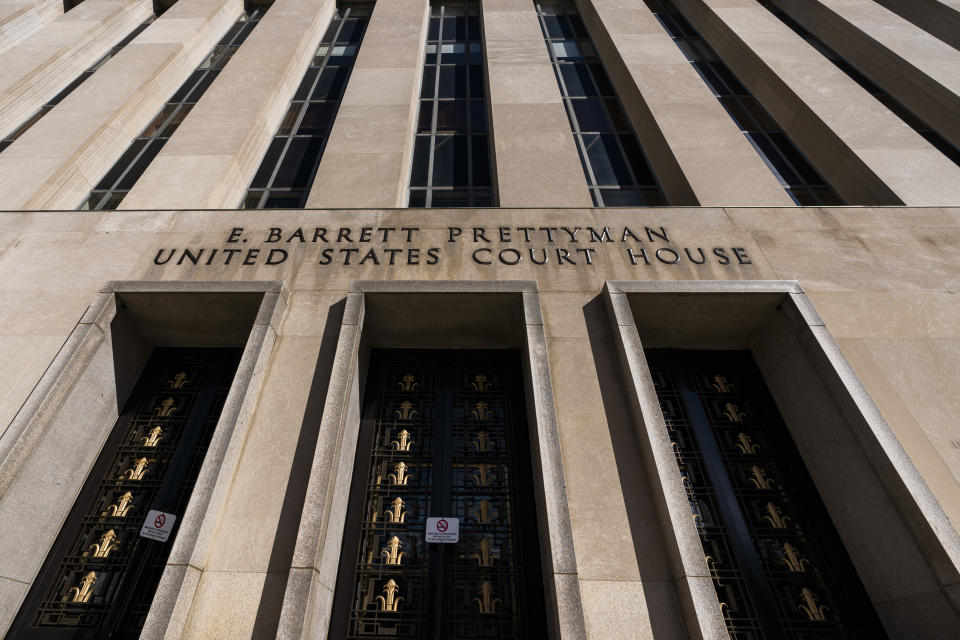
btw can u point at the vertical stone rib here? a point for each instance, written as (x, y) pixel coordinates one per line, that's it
(20, 18)
(34, 71)
(211, 158)
(864, 151)
(367, 159)
(670, 106)
(537, 164)
(55, 164)
(919, 70)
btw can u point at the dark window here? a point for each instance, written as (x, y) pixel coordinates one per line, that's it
(54, 101)
(925, 130)
(116, 184)
(797, 176)
(451, 154)
(613, 162)
(442, 435)
(100, 577)
(287, 170)
(778, 565)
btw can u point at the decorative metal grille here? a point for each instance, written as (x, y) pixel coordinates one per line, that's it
(444, 435)
(778, 565)
(100, 578)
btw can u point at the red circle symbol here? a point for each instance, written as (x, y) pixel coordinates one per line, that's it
(442, 525)
(160, 521)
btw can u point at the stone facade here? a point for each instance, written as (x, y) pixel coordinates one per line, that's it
(850, 312)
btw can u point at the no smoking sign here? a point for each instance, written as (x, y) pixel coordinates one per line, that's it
(158, 525)
(443, 530)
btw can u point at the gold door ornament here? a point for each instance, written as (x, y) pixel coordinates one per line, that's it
(108, 542)
(392, 552)
(485, 555)
(403, 441)
(486, 601)
(484, 473)
(484, 513)
(795, 562)
(409, 383)
(406, 411)
(815, 612)
(733, 413)
(399, 475)
(178, 380)
(83, 591)
(153, 437)
(481, 413)
(745, 444)
(389, 600)
(137, 470)
(775, 517)
(166, 408)
(720, 384)
(120, 509)
(396, 513)
(482, 442)
(758, 477)
(480, 383)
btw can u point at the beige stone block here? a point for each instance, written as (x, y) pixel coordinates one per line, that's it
(388, 53)
(621, 609)
(225, 606)
(21, 18)
(381, 86)
(12, 593)
(526, 83)
(359, 180)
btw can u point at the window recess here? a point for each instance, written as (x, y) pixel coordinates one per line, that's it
(613, 161)
(290, 164)
(452, 155)
(54, 101)
(116, 184)
(797, 176)
(778, 565)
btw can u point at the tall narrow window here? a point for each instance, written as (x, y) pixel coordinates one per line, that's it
(54, 101)
(116, 184)
(451, 154)
(443, 435)
(290, 164)
(888, 101)
(778, 565)
(613, 161)
(797, 176)
(100, 577)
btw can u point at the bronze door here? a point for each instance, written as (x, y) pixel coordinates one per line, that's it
(443, 434)
(100, 577)
(778, 564)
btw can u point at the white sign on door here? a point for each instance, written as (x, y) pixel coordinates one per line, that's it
(443, 530)
(158, 525)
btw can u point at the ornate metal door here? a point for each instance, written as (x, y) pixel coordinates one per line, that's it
(99, 579)
(778, 564)
(443, 434)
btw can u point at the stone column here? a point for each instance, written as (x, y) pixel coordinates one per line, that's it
(367, 159)
(20, 18)
(34, 71)
(56, 163)
(210, 160)
(690, 140)
(536, 157)
(940, 18)
(865, 152)
(919, 70)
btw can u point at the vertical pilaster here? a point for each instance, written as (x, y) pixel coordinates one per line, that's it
(683, 127)
(209, 162)
(58, 160)
(536, 156)
(940, 18)
(863, 150)
(20, 18)
(367, 159)
(34, 71)
(916, 68)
